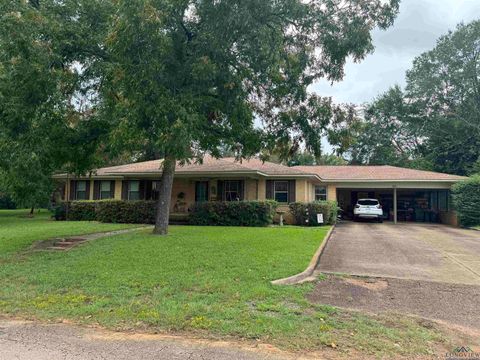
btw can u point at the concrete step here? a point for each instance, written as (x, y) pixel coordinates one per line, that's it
(63, 248)
(65, 243)
(75, 239)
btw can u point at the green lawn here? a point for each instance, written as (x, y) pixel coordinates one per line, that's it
(207, 281)
(18, 231)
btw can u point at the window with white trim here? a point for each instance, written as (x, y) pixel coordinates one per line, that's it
(81, 190)
(134, 190)
(232, 190)
(280, 189)
(320, 193)
(105, 190)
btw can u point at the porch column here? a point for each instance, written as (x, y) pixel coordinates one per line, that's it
(394, 204)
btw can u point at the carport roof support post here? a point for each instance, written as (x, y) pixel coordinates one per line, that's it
(394, 204)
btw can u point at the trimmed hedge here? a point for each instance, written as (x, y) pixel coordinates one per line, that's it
(308, 211)
(107, 211)
(77, 211)
(466, 200)
(126, 212)
(235, 213)
(82, 211)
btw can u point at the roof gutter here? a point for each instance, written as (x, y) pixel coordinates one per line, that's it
(223, 173)
(68, 176)
(388, 181)
(119, 175)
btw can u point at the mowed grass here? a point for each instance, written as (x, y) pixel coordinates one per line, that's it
(18, 230)
(204, 281)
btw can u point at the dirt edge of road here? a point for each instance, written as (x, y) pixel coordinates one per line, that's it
(450, 305)
(97, 333)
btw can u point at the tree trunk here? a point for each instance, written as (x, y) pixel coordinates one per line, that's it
(164, 196)
(31, 210)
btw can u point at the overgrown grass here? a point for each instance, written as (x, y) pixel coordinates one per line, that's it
(209, 281)
(18, 230)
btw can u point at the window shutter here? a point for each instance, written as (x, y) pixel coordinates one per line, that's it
(220, 192)
(112, 189)
(141, 189)
(87, 190)
(73, 186)
(148, 190)
(125, 190)
(291, 191)
(96, 190)
(269, 190)
(241, 185)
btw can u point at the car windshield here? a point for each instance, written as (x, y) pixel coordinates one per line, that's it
(368, 202)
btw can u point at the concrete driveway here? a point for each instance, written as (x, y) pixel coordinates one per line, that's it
(408, 251)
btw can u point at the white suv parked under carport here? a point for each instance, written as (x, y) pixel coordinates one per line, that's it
(368, 209)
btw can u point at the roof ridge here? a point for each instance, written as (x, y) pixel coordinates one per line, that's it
(131, 163)
(235, 161)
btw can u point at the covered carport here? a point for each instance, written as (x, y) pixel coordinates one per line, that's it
(406, 195)
(401, 202)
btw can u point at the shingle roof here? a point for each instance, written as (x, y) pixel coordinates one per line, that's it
(378, 173)
(208, 165)
(255, 166)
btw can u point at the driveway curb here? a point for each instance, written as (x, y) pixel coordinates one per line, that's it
(306, 275)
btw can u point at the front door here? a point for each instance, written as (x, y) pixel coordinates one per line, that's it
(201, 191)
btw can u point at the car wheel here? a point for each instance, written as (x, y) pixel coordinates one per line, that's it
(380, 220)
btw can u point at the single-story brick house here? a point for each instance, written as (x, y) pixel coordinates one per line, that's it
(405, 194)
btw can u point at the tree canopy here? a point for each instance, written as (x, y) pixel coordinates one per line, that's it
(194, 76)
(435, 122)
(172, 78)
(43, 45)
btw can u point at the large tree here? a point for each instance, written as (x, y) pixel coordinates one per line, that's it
(196, 76)
(45, 50)
(435, 122)
(391, 133)
(445, 84)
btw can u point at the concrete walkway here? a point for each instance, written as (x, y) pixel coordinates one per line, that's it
(409, 251)
(32, 341)
(69, 242)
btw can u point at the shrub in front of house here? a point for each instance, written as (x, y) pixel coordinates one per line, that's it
(60, 211)
(107, 211)
(235, 213)
(81, 211)
(308, 211)
(126, 212)
(466, 200)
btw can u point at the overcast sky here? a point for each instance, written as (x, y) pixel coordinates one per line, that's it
(418, 25)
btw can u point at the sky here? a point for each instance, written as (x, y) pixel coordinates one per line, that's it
(417, 27)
